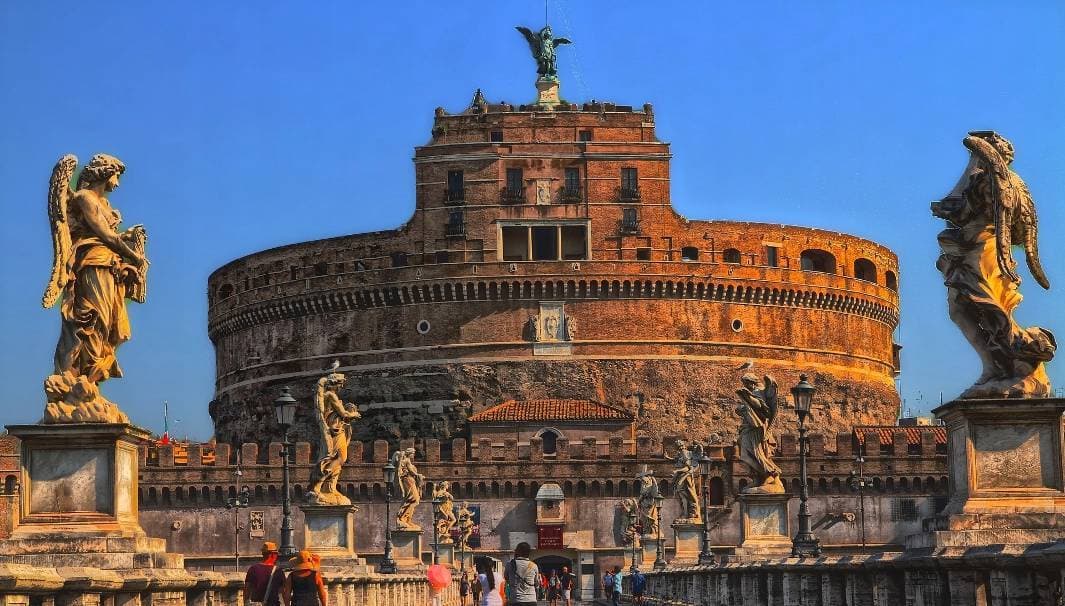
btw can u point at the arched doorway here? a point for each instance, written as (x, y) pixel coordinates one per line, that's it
(549, 563)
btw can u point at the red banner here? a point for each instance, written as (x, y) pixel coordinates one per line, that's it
(549, 537)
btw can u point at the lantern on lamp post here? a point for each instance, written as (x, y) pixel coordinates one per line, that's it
(388, 564)
(285, 408)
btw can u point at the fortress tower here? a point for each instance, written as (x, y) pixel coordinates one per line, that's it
(544, 259)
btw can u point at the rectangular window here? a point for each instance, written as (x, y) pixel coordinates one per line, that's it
(516, 243)
(399, 259)
(496, 136)
(514, 180)
(771, 257)
(573, 179)
(629, 180)
(629, 222)
(545, 243)
(643, 254)
(904, 510)
(455, 184)
(574, 242)
(442, 256)
(584, 135)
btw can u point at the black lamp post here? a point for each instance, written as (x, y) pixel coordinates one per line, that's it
(859, 482)
(706, 557)
(388, 565)
(805, 543)
(285, 407)
(437, 500)
(660, 562)
(237, 503)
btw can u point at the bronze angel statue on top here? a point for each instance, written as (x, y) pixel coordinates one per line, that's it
(988, 212)
(543, 44)
(95, 269)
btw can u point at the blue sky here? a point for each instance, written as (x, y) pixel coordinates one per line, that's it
(250, 125)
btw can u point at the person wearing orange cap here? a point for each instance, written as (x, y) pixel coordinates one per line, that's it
(304, 586)
(263, 582)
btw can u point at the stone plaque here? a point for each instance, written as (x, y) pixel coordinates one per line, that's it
(543, 191)
(327, 531)
(125, 472)
(64, 480)
(551, 320)
(767, 520)
(256, 524)
(1016, 455)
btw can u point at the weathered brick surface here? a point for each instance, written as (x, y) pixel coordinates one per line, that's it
(661, 337)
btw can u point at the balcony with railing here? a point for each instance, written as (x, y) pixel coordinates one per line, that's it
(513, 196)
(571, 195)
(455, 229)
(630, 225)
(628, 194)
(455, 197)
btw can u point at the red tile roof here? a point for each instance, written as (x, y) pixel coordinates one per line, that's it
(551, 410)
(913, 433)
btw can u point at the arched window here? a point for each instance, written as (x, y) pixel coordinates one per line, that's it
(689, 253)
(865, 270)
(225, 291)
(550, 440)
(818, 260)
(730, 255)
(890, 280)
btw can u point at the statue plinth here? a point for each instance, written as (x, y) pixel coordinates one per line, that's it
(687, 540)
(329, 530)
(648, 551)
(1007, 484)
(78, 499)
(547, 96)
(407, 547)
(765, 525)
(445, 554)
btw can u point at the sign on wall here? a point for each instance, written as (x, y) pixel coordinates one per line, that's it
(256, 524)
(549, 537)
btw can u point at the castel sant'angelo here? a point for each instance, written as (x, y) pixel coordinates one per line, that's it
(544, 260)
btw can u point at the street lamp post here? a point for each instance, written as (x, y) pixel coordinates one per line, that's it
(237, 503)
(805, 543)
(859, 482)
(285, 407)
(437, 500)
(388, 564)
(706, 556)
(660, 562)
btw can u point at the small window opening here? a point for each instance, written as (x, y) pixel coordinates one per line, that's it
(731, 255)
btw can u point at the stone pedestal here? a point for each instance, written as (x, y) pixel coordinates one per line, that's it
(407, 547)
(329, 530)
(638, 554)
(649, 551)
(446, 555)
(547, 96)
(765, 530)
(78, 503)
(687, 541)
(1007, 485)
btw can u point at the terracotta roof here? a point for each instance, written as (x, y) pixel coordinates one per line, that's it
(913, 433)
(551, 410)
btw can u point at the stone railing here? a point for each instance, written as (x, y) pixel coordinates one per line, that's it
(23, 585)
(979, 576)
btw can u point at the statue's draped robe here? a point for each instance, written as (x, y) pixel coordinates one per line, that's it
(338, 435)
(687, 491)
(93, 311)
(755, 439)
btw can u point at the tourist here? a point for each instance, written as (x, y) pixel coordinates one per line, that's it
(553, 589)
(567, 583)
(464, 588)
(522, 577)
(608, 585)
(304, 586)
(489, 584)
(637, 584)
(616, 595)
(263, 582)
(475, 589)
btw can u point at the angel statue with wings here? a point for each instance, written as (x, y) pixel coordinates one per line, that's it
(988, 212)
(757, 411)
(334, 423)
(444, 502)
(685, 482)
(648, 502)
(95, 269)
(410, 486)
(466, 525)
(542, 45)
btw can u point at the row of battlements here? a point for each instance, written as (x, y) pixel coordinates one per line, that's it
(870, 442)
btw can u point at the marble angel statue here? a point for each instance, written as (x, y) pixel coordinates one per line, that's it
(757, 411)
(334, 423)
(686, 482)
(410, 483)
(95, 268)
(444, 502)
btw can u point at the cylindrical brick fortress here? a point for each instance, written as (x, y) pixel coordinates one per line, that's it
(544, 260)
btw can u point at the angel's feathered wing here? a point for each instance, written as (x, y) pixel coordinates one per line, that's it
(59, 194)
(531, 38)
(1026, 231)
(770, 397)
(560, 41)
(1005, 202)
